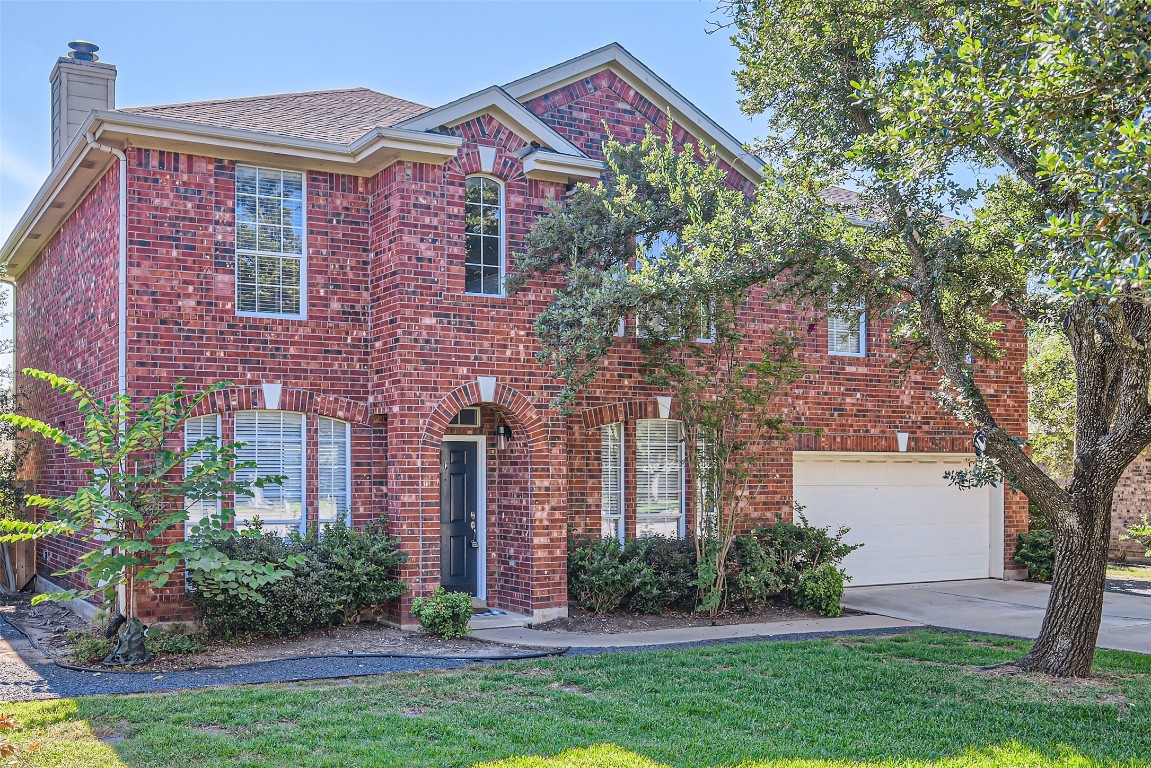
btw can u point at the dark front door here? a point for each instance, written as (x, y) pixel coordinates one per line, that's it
(459, 534)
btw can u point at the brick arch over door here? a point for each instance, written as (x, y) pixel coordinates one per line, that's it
(307, 401)
(507, 397)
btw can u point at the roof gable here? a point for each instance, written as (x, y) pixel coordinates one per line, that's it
(494, 101)
(636, 74)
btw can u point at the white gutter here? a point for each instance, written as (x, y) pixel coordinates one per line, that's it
(121, 268)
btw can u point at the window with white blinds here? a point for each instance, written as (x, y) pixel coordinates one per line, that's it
(659, 478)
(270, 261)
(611, 481)
(706, 503)
(847, 331)
(275, 441)
(335, 482)
(196, 430)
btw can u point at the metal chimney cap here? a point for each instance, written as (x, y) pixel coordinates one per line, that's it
(82, 50)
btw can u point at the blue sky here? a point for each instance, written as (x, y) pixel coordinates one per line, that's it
(429, 52)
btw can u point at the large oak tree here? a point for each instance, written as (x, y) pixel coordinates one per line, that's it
(1032, 115)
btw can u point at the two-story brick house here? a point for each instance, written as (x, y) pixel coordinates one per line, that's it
(340, 256)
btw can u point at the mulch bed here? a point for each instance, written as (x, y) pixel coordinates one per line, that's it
(580, 620)
(48, 625)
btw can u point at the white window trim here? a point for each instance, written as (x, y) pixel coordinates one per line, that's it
(503, 234)
(303, 526)
(621, 525)
(303, 313)
(862, 333)
(682, 524)
(347, 469)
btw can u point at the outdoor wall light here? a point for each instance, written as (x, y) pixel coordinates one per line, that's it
(503, 436)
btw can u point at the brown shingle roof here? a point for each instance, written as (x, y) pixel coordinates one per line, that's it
(339, 116)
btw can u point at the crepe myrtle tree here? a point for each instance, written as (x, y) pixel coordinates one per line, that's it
(661, 241)
(902, 101)
(139, 489)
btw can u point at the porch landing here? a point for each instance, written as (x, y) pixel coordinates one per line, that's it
(499, 619)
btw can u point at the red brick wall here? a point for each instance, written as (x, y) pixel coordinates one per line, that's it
(66, 323)
(393, 345)
(1132, 502)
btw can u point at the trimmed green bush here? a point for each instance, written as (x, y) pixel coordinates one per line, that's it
(600, 577)
(821, 590)
(344, 571)
(444, 614)
(1036, 551)
(756, 580)
(668, 577)
(800, 547)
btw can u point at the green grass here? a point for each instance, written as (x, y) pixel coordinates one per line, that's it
(1129, 571)
(909, 700)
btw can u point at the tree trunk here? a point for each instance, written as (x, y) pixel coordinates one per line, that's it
(1066, 643)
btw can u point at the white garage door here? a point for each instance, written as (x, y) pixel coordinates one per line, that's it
(913, 525)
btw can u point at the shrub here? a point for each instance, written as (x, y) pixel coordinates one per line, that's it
(1036, 551)
(756, 579)
(334, 576)
(89, 648)
(92, 647)
(668, 579)
(174, 640)
(800, 547)
(601, 578)
(444, 614)
(1140, 533)
(821, 590)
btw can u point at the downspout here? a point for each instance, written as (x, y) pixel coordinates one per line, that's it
(121, 295)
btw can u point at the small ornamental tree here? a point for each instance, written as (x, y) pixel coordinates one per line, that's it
(660, 240)
(138, 491)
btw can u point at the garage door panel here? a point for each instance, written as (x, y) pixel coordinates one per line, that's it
(914, 526)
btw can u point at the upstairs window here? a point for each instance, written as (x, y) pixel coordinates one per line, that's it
(270, 262)
(847, 331)
(484, 237)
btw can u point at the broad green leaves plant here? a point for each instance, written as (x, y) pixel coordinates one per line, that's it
(132, 510)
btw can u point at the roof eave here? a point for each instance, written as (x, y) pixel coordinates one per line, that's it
(81, 166)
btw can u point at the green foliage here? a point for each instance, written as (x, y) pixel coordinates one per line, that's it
(665, 241)
(1036, 551)
(444, 614)
(671, 565)
(92, 647)
(331, 578)
(1140, 533)
(600, 577)
(1051, 401)
(757, 579)
(799, 547)
(821, 589)
(136, 492)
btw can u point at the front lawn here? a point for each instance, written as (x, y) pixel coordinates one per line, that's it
(908, 700)
(1128, 571)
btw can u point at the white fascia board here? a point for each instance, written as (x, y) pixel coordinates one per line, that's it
(550, 166)
(637, 74)
(494, 100)
(80, 166)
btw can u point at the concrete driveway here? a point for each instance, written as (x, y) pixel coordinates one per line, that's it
(1001, 607)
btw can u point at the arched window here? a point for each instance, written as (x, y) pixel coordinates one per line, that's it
(484, 236)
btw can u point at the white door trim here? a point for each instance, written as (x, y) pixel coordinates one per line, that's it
(481, 442)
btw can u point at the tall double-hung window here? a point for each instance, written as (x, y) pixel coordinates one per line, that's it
(612, 481)
(270, 261)
(274, 440)
(197, 430)
(484, 236)
(659, 492)
(333, 440)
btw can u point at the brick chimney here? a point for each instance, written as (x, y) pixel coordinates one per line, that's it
(80, 84)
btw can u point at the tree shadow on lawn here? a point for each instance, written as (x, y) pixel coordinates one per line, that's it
(910, 700)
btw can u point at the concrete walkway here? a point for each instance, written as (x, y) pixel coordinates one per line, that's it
(535, 638)
(1013, 608)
